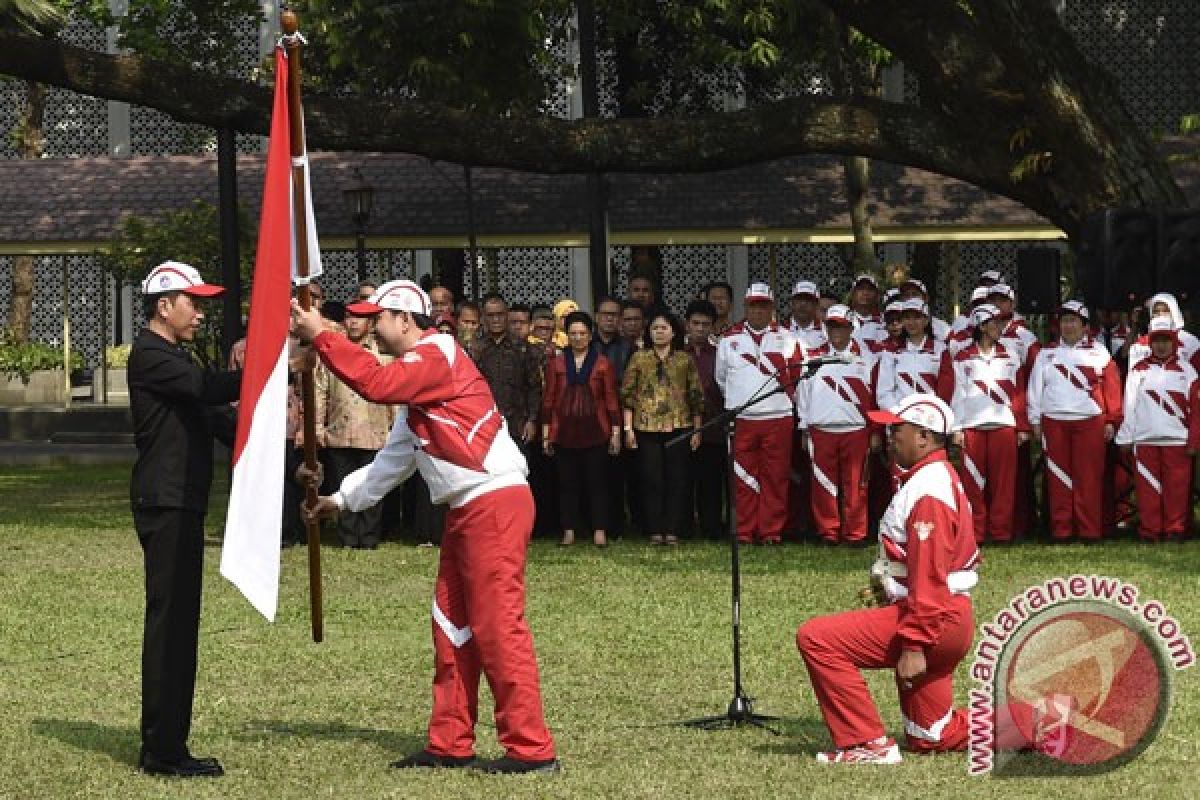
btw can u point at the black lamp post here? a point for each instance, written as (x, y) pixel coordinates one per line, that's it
(359, 196)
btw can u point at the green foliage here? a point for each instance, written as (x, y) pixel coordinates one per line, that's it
(1189, 125)
(190, 235)
(200, 33)
(116, 356)
(31, 15)
(479, 54)
(21, 359)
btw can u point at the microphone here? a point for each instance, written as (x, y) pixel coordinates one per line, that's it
(832, 358)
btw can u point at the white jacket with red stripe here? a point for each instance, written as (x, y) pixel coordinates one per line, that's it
(754, 363)
(1162, 404)
(1074, 382)
(907, 368)
(838, 397)
(1020, 340)
(448, 425)
(810, 336)
(870, 332)
(927, 549)
(989, 389)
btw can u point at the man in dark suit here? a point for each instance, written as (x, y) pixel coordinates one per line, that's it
(174, 424)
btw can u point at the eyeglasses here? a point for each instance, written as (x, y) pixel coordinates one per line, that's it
(366, 296)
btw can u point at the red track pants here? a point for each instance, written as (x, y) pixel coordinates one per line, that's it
(762, 457)
(1074, 452)
(836, 647)
(839, 473)
(479, 624)
(990, 481)
(1164, 490)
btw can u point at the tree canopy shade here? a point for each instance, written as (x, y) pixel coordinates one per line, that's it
(1008, 103)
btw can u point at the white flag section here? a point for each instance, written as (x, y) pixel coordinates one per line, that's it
(250, 556)
(314, 248)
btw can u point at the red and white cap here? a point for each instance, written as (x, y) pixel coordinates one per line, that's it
(894, 307)
(983, 313)
(920, 284)
(922, 409)
(1162, 326)
(992, 275)
(838, 314)
(759, 293)
(1002, 289)
(914, 304)
(175, 276)
(980, 294)
(866, 277)
(399, 295)
(806, 288)
(1074, 307)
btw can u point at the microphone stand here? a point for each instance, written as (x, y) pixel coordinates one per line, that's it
(741, 707)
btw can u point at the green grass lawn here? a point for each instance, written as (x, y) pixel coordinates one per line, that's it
(630, 639)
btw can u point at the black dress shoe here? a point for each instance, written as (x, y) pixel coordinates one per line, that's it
(516, 766)
(186, 767)
(428, 760)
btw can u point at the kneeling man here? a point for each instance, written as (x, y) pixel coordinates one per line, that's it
(927, 567)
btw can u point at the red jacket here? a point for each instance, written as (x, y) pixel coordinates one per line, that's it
(927, 546)
(603, 382)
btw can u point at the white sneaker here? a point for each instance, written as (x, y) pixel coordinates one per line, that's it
(883, 750)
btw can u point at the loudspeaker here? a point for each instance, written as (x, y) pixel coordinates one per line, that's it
(1126, 255)
(1037, 280)
(1179, 255)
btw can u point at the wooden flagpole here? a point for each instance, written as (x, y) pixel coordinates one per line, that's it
(293, 43)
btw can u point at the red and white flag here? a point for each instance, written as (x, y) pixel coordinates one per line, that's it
(250, 555)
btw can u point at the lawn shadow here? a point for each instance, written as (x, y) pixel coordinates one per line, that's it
(391, 741)
(797, 737)
(118, 743)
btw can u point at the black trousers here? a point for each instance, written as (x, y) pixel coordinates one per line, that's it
(173, 548)
(543, 482)
(355, 528)
(583, 472)
(294, 531)
(665, 475)
(710, 482)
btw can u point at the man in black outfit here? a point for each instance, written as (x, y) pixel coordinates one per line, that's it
(174, 425)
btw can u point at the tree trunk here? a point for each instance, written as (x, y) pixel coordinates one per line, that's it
(31, 143)
(850, 78)
(857, 171)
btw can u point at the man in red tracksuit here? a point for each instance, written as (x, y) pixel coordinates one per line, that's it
(759, 359)
(927, 567)
(449, 428)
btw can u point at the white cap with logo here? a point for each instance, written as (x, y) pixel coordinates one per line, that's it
(915, 304)
(401, 295)
(983, 313)
(806, 288)
(922, 409)
(175, 276)
(759, 293)
(1074, 307)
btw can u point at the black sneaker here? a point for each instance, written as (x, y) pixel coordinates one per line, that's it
(516, 766)
(428, 760)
